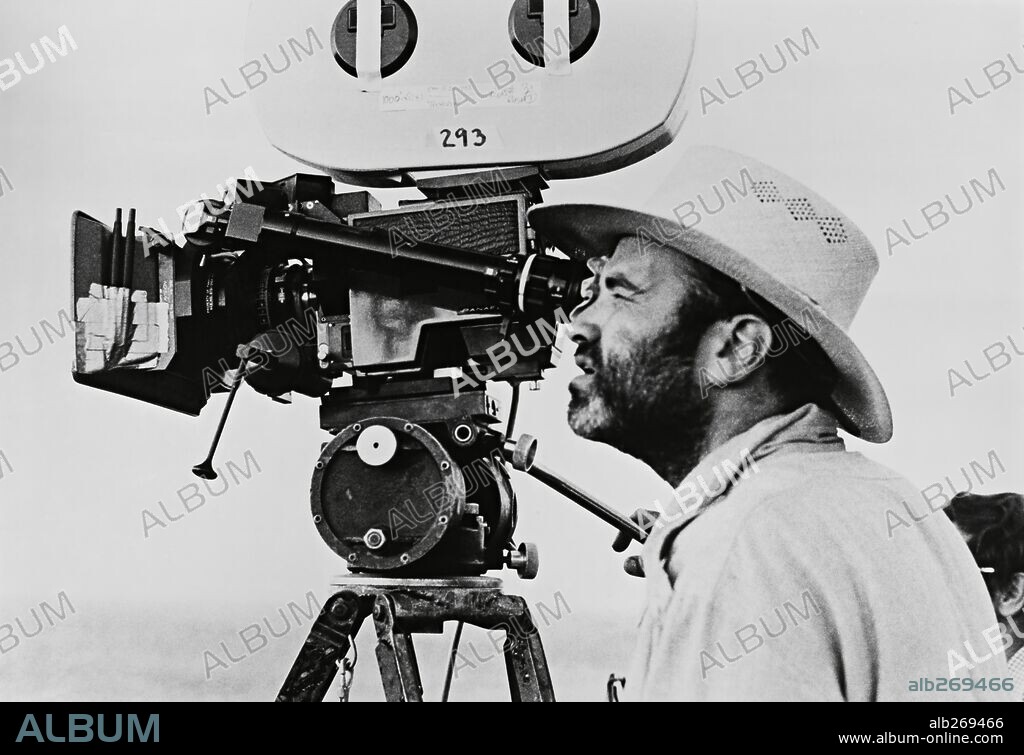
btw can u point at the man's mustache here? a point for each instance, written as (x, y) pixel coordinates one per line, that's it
(588, 359)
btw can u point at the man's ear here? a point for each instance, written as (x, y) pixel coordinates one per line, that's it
(1010, 601)
(738, 346)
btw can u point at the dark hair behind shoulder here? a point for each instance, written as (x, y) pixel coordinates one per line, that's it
(994, 528)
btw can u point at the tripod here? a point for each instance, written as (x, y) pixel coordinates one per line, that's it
(403, 607)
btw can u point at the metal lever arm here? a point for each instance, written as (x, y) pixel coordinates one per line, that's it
(205, 468)
(521, 454)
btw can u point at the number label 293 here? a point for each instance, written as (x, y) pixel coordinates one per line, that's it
(462, 138)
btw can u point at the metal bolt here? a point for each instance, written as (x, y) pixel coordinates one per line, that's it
(374, 538)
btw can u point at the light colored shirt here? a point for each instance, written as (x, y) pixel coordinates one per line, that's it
(782, 572)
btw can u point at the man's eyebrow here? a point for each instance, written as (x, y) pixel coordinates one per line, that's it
(621, 280)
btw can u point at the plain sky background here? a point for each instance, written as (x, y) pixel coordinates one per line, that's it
(864, 120)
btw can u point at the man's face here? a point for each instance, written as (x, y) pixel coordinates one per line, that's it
(636, 344)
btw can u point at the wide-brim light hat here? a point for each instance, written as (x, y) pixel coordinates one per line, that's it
(767, 232)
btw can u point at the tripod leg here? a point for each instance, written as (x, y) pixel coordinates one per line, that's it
(520, 662)
(528, 677)
(315, 667)
(522, 675)
(396, 657)
(540, 663)
(410, 667)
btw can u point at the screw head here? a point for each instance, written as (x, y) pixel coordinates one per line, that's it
(374, 538)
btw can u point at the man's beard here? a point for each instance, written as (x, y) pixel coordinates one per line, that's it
(647, 403)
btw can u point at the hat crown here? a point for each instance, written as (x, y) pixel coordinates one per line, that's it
(790, 232)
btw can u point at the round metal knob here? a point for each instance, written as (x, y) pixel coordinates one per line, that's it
(522, 452)
(526, 560)
(376, 445)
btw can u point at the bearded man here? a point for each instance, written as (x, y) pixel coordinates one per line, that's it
(713, 342)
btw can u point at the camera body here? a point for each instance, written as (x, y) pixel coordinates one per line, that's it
(396, 318)
(464, 83)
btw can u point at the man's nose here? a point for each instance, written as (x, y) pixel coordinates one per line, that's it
(582, 326)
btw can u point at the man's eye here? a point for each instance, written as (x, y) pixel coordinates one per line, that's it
(620, 292)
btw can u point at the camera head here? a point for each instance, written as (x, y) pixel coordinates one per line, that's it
(397, 319)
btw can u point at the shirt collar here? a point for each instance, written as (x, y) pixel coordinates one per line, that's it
(809, 429)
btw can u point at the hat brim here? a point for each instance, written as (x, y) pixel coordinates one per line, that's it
(586, 230)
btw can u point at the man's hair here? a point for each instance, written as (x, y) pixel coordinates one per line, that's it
(802, 373)
(994, 528)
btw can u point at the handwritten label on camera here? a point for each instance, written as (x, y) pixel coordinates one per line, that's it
(455, 139)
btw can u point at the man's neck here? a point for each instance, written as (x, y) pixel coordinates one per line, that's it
(673, 464)
(731, 415)
(735, 413)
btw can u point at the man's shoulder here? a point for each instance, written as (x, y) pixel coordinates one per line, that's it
(786, 509)
(797, 487)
